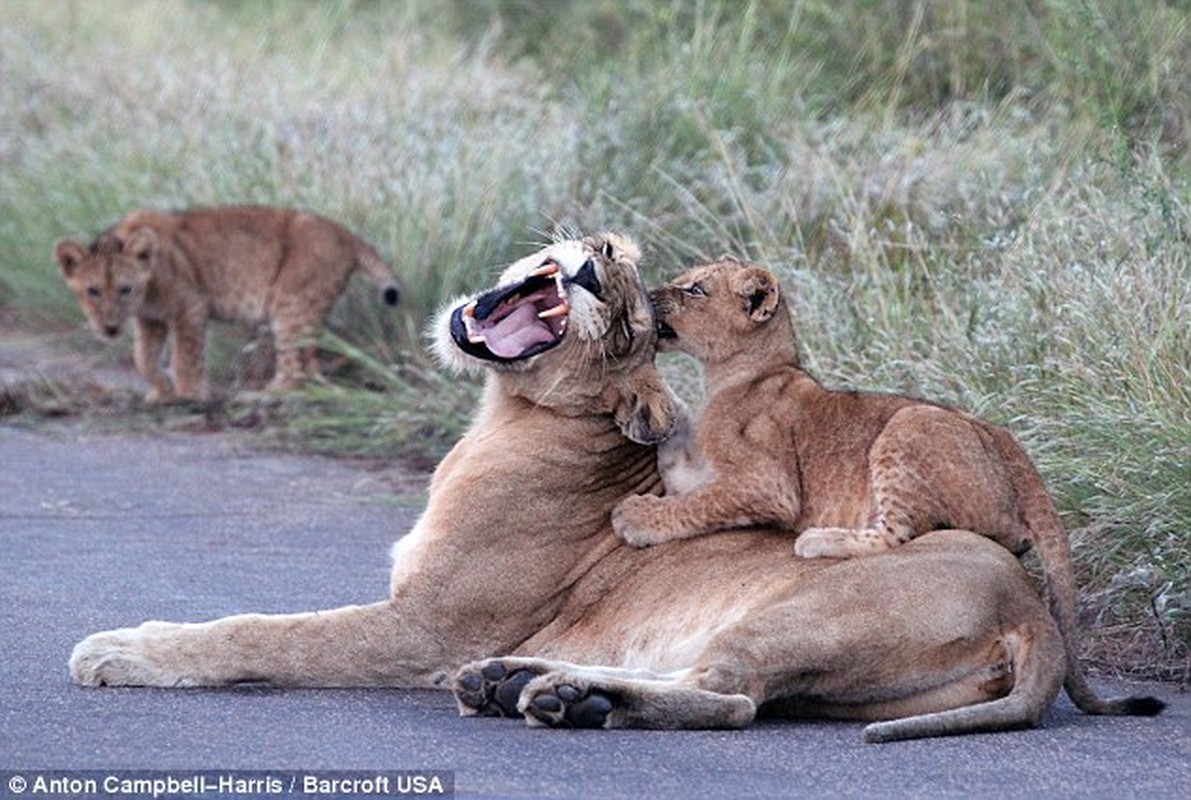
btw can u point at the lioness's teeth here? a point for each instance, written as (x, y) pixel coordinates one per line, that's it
(545, 269)
(469, 324)
(559, 310)
(562, 290)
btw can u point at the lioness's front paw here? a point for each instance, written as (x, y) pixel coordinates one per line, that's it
(635, 520)
(120, 658)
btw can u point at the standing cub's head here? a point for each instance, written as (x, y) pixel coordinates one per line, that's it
(109, 278)
(717, 311)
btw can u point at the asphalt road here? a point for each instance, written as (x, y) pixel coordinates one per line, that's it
(102, 531)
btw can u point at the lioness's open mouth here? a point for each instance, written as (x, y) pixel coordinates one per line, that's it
(514, 322)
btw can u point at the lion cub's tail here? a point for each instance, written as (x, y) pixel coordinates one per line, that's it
(1050, 542)
(374, 267)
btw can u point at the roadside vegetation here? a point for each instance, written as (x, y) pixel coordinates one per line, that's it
(987, 204)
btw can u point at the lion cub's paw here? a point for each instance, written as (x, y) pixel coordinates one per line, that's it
(560, 701)
(837, 543)
(491, 688)
(636, 520)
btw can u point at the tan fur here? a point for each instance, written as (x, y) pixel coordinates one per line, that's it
(171, 272)
(851, 473)
(513, 586)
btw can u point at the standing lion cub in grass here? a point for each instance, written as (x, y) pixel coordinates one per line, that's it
(852, 473)
(171, 272)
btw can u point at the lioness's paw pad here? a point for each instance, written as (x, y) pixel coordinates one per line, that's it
(491, 688)
(565, 705)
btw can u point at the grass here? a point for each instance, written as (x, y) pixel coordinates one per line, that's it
(984, 203)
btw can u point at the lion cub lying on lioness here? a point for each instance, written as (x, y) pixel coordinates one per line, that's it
(852, 473)
(171, 272)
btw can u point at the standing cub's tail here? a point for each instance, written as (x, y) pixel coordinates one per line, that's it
(373, 266)
(1050, 542)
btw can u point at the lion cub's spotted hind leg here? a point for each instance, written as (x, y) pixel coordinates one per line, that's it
(895, 525)
(930, 469)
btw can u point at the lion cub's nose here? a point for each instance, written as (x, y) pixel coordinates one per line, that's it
(111, 330)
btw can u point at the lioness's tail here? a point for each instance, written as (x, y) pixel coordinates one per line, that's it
(374, 267)
(1035, 651)
(1049, 540)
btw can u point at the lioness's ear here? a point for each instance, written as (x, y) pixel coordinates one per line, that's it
(645, 408)
(142, 245)
(758, 290)
(69, 255)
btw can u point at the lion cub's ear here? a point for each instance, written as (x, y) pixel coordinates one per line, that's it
(758, 291)
(142, 245)
(644, 406)
(69, 255)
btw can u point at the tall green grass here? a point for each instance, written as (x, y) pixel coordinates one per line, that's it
(984, 203)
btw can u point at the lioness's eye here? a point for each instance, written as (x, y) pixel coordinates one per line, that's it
(608, 251)
(93, 291)
(694, 290)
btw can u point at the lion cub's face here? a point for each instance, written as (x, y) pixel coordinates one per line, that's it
(714, 311)
(569, 327)
(109, 278)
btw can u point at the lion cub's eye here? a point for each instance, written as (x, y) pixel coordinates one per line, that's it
(125, 290)
(93, 292)
(694, 290)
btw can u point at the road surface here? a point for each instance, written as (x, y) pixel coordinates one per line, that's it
(104, 531)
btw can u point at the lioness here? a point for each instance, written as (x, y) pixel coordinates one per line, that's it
(513, 577)
(852, 473)
(171, 272)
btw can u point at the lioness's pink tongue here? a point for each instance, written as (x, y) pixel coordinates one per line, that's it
(517, 332)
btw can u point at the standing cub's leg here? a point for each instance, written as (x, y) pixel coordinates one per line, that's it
(188, 354)
(923, 477)
(296, 321)
(150, 337)
(297, 309)
(296, 359)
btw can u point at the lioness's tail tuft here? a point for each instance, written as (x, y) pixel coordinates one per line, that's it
(1087, 702)
(1143, 706)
